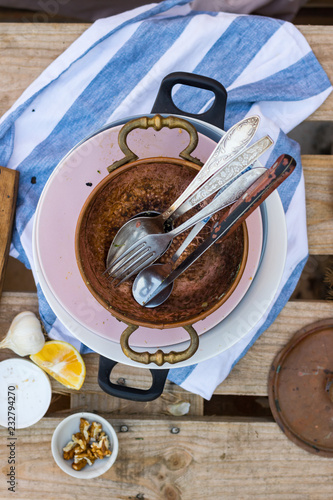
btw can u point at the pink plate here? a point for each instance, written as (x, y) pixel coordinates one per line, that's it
(58, 211)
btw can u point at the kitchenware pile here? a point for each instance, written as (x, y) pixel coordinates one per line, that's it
(144, 238)
(210, 289)
(139, 191)
(135, 187)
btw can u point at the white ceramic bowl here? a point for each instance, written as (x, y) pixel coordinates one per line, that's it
(63, 434)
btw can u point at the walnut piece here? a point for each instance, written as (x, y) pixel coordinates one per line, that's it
(79, 439)
(95, 430)
(69, 450)
(84, 426)
(104, 445)
(84, 455)
(68, 455)
(80, 464)
(101, 449)
(69, 446)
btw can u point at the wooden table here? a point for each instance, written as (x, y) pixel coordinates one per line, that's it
(211, 456)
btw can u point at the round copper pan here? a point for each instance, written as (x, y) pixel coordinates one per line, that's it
(154, 184)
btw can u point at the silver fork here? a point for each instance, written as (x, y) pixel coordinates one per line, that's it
(148, 249)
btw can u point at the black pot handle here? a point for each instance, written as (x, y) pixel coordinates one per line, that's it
(165, 104)
(106, 365)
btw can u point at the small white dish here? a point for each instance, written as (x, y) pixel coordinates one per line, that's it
(63, 434)
(25, 393)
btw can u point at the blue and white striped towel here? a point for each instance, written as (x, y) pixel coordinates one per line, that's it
(114, 70)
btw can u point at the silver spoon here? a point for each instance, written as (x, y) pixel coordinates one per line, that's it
(231, 145)
(151, 277)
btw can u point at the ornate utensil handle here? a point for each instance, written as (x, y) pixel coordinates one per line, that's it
(232, 144)
(244, 183)
(226, 174)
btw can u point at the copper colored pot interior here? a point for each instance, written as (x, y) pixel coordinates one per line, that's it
(154, 184)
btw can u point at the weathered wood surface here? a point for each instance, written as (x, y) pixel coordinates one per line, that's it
(8, 194)
(320, 39)
(27, 49)
(248, 377)
(250, 374)
(98, 401)
(318, 173)
(206, 459)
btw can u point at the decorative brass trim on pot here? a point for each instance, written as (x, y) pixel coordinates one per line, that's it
(157, 122)
(159, 357)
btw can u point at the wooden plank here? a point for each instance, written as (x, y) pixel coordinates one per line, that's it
(13, 303)
(320, 39)
(26, 49)
(206, 459)
(92, 398)
(8, 194)
(249, 376)
(318, 173)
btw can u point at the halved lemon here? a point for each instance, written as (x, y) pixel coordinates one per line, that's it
(63, 362)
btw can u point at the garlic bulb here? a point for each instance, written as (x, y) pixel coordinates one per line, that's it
(25, 335)
(179, 409)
